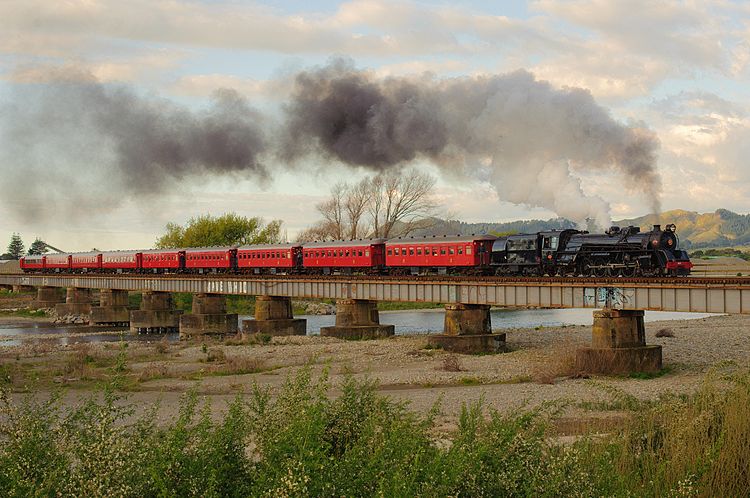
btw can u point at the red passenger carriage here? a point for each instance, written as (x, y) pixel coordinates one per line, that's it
(344, 255)
(32, 263)
(57, 262)
(260, 258)
(121, 260)
(86, 261)
(163, 259)
(210, 258)
(439, 252)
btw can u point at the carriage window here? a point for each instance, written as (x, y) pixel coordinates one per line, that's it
(554, 242)
(411, 251)
(390, 252)
(468, 249)
(434, 251)
(419, 251)
(451, 251)
(442, 251)
(359, 253)
(396, 251)
(346, 253)
(367, 253)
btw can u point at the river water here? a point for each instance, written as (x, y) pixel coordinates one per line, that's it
(406, 322)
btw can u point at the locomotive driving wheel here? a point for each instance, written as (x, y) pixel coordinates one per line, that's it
(600, 270)
(586, 269)
(629, 271)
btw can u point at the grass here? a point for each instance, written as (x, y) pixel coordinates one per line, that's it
(242, 305)
(470, 381)
(651, 375)
(299, 441)
(10, 293)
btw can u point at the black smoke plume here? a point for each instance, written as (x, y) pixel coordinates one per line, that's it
(71, 142)
(533, 142)
(528, 138)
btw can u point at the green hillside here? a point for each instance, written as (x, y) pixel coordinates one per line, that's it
(722, 228)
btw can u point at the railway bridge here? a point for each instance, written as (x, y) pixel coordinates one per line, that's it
(618, 334)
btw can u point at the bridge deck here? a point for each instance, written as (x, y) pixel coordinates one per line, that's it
(726, 295)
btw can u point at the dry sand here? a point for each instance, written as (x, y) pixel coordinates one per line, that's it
(537, 368)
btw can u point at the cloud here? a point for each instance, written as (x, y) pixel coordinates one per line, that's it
(616, 49)
(705, 146)
(128, 69)
(203, 85)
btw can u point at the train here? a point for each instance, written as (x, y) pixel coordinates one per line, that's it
(618, 252)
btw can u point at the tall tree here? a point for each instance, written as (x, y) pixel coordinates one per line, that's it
(16, 247)
(38, 247)
(227, 229)
(402, 202)
(355, 202)
(390, 204)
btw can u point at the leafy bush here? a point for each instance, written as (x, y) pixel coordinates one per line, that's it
(301, 442)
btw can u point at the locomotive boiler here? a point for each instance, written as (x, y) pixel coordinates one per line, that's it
(625, 252)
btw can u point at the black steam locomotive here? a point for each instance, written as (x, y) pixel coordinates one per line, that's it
(626, 252)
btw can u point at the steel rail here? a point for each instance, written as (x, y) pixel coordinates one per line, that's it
(666, 282)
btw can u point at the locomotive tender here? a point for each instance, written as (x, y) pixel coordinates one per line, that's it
(625, 252)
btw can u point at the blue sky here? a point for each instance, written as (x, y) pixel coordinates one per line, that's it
(680, 68)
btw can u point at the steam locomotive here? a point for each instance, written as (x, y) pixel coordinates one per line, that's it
(626, 252)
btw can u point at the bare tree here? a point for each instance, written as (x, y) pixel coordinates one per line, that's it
(318, 231)
(356, 200)
(401, 202)
(333, 210)
(396, 203)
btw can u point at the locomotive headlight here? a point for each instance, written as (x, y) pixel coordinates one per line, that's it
(670, 242)
(655, 243)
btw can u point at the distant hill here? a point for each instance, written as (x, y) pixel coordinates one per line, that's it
(455, 227)
(722, 228)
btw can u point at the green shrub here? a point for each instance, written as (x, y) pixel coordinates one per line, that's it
(301, 442)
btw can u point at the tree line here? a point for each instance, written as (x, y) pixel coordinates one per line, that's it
(387, 205)
(16, 248)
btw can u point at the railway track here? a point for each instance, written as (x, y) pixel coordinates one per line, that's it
(583, 281)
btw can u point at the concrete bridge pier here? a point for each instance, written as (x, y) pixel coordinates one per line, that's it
(357, 319)
(156, 315)
(77, 302)
(468, 329)
(209, 316)
(112, 309)
(618, 345)
(273, 316)
(47, 297)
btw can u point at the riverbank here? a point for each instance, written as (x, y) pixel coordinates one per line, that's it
(538, 367)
